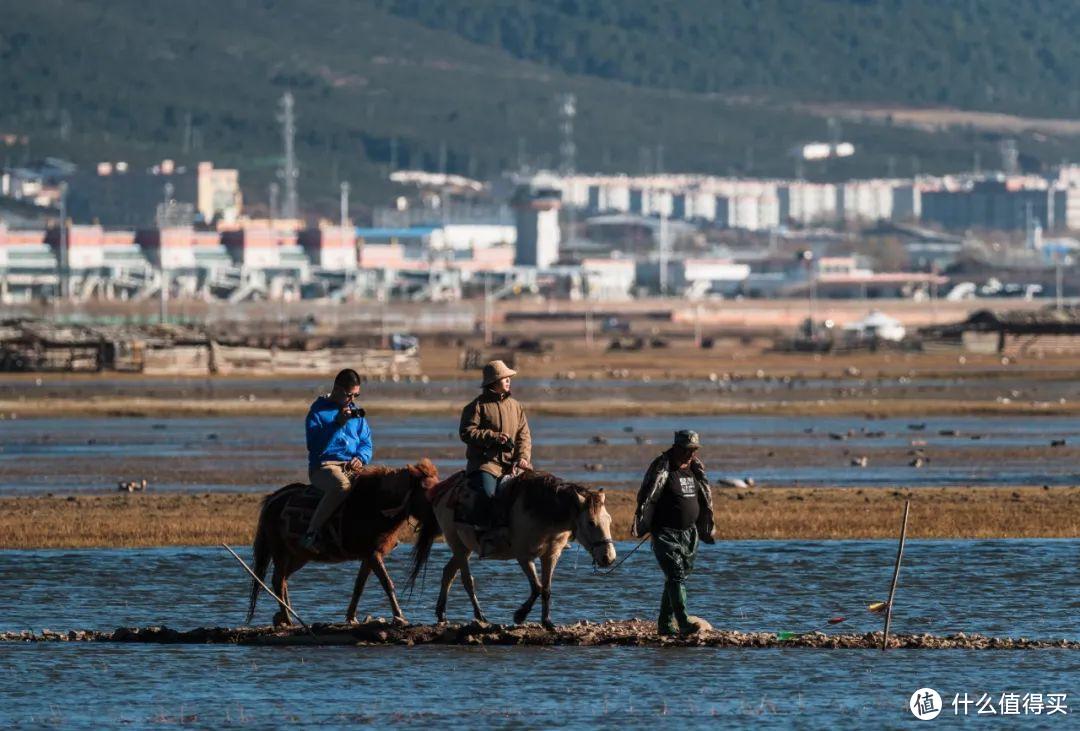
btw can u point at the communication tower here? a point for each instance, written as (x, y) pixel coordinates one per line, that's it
(289, 172)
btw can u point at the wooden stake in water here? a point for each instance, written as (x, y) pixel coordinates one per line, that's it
(895, 576)
(269, 591)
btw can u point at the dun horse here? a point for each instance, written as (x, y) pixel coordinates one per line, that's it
(545, 513)
(380, 502)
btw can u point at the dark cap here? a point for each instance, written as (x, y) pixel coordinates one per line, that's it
(687, 439)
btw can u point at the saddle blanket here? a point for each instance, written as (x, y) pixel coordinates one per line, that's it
(296, 516)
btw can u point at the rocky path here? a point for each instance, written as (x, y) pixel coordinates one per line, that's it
(634, 633)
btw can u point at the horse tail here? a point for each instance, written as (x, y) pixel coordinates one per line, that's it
(421, 551)
(260, 552)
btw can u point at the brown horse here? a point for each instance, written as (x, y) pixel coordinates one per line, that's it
(545, 513)
(380, 502)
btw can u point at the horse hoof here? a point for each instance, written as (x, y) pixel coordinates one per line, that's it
(520, 617)
(441, 622)
(400, 621)
(548, 625)
(351, 619)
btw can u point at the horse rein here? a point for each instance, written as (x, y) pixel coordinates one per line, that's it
(617, 565)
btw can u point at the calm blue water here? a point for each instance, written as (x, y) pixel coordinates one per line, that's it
(89, 454)
(1017, 588)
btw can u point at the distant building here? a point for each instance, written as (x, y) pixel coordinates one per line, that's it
(538, 235)
(114, 195)
(997, 205)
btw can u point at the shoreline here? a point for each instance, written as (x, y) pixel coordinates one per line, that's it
(626, 633)
(161, 408)
(204, 519)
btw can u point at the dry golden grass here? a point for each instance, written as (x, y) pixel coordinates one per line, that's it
(782, 513)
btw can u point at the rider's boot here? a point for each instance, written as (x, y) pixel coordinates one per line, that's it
(310, 542)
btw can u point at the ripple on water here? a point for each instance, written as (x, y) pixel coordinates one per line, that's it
(1019, 588)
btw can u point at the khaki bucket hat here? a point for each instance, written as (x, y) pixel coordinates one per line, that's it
(496, 370)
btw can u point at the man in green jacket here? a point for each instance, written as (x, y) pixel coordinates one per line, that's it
(674, 504)
(497, 439)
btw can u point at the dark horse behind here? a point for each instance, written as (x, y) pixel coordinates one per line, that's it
(380, 503)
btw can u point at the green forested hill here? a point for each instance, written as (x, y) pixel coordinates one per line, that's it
(1007, 55)
(701, 86)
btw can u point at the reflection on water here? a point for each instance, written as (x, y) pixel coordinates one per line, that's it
(1017, 588)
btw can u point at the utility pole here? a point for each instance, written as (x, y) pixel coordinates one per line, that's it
(62, 260)
(163, 301)
(568, 158)
(662, 257)
(344, 205)
(487, 308)
(274, 190)
(344, 236)
(1059, 302)
(290, 173)
(807, 257)
(187, 132)
(163, 292)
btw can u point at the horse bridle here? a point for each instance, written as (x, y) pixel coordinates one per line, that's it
(593, 545)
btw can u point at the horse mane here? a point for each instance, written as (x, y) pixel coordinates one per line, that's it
(371, 473)
(549, 497)
(426, 468)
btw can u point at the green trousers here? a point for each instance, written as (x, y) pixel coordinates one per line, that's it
(675, 551)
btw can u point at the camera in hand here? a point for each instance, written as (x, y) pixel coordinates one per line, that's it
(356, 412)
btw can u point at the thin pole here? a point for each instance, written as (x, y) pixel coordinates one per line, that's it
(487, 308)
(895, 576)
(62, 261)
(163, 295)
(269, 591)
(663, 253)
(1058, 302)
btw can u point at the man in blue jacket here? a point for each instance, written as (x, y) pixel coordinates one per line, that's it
(339, 444)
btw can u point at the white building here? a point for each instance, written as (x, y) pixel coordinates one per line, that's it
(538, 234)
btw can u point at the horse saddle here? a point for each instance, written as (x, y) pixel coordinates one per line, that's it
(465, 502)
(296, 516)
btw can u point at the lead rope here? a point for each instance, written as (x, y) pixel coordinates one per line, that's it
(620, 562)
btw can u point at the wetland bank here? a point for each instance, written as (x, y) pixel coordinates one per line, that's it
(992, 544)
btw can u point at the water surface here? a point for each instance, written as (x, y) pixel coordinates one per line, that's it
(1017, 588)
